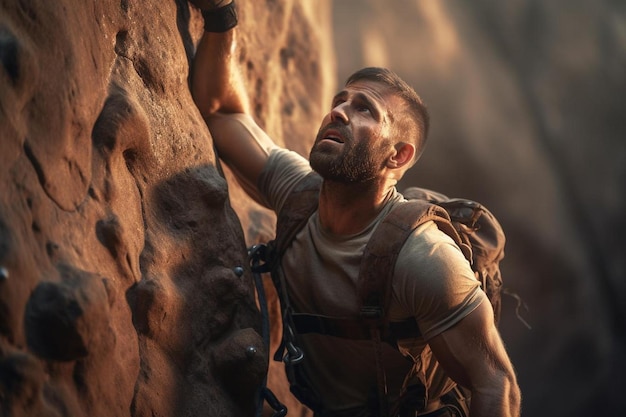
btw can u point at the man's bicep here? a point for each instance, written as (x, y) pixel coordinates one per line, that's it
(242, 145)
(472, 352)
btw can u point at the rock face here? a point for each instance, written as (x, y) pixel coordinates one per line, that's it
(124, 284)
(526, 101)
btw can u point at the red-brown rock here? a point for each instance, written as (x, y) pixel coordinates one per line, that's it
(121, 288)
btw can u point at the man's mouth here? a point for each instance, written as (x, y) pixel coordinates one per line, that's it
(333, 135)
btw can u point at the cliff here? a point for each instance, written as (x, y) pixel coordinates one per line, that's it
(125, 287)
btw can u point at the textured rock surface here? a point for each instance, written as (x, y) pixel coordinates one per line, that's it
(527, 102)
(119, 293)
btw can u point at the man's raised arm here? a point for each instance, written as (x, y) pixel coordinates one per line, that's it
(219, 92)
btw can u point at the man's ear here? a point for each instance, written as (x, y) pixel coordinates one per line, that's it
(402, 157)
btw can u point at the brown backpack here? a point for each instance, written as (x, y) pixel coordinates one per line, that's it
(472, 227)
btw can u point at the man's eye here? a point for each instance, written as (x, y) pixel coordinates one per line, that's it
(362, 109)
(337, 103)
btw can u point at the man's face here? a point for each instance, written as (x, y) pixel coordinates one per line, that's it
(353, 143)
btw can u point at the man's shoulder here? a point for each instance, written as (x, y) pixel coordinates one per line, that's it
(282, 156)
(284, 163)
(282, 173)
(428, 248)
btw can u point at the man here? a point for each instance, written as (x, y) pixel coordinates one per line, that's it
(374, 132)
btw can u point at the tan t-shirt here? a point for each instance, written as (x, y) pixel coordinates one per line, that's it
(433, 282)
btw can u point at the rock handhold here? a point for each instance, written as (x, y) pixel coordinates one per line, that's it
(21, 386)
(63, 320)
(240, 362)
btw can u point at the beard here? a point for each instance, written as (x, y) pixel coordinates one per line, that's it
(349, 162)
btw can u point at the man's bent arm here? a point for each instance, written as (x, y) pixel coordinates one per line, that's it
(218, 90)
(473, 354)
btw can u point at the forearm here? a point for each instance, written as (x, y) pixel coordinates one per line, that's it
(218, 90)
(216, 82)
(502, 400)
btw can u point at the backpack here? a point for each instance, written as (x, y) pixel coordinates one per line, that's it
(472, 227)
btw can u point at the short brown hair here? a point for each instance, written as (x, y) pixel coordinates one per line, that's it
(418, 112)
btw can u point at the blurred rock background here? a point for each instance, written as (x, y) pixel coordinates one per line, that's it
(527, 102)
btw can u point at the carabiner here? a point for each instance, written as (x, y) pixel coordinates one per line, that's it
(294, 354)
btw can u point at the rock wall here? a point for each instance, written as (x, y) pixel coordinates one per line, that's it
(527, 102)
(124, 285)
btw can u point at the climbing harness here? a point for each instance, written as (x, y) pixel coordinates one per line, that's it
(256, 254)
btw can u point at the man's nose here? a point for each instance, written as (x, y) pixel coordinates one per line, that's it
(339, 114)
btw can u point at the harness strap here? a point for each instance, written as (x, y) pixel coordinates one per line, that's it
(256, 254)
(352, 328)
(381, 374)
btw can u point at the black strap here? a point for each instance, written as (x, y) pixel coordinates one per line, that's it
(280, 409)
(256, 255)
(220, 19)
(381, 373)
(352, 328)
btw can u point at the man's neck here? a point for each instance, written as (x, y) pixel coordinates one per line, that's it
(346, 209)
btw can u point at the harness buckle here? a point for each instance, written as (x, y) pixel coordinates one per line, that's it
(294, 354)
(256, 255)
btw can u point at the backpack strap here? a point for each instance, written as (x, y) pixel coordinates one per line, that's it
(300, 204)
(377, 270)
(382, 250)
(297, 208)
